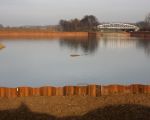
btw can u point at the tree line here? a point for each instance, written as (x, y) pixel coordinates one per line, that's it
(90, 22)
(87, 23)
(145, 24)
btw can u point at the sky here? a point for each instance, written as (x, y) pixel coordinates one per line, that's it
(49, 12)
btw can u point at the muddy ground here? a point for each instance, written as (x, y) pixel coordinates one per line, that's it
(115, 107)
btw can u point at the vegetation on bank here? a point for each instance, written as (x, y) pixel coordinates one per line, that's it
(87, 24)
(145, 24)
(2, 46)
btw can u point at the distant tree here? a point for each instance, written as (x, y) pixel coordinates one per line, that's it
(66, 25)
(144, 25)
(61, 23)
(147, 19)
(141, 24)
(89, 22)
(75, 24)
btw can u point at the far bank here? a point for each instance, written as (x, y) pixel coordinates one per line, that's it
(49, 34)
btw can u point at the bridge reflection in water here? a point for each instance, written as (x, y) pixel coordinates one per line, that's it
(106, 40)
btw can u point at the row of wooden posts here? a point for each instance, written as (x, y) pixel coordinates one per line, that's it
(89, 90)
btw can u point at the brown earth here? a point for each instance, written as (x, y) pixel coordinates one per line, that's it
(115, 107)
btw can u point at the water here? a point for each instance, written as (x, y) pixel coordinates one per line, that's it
(103, 60)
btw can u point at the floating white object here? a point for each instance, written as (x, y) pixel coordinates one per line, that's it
(74, 55)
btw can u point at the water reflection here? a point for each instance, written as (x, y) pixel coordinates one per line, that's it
(87, 44)
(91, 44)
(144, 44)
(124, 41)
(117, 42)
(39, 62)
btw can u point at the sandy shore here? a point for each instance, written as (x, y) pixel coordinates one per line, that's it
(116, 107)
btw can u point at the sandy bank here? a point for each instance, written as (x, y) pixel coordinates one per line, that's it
(117, 107)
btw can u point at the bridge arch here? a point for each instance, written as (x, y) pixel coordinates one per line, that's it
(118, 26)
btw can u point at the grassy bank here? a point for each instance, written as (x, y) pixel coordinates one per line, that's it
(116, 107)
(2, 46)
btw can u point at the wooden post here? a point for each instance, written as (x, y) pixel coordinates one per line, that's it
(36, 91)
(2, 92)
(69, 90)
(11, 92)
(46, 91)
(59, 91)
(92, 90)
(81, 90)
(24, 91)
(98, 90)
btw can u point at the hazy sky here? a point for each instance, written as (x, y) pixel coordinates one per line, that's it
(44, 12)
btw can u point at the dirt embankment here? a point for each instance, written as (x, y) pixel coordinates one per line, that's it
(116, 107)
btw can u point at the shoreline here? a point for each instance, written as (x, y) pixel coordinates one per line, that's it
(19, 34)
(50, 34)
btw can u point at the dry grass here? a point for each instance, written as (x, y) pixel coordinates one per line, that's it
(39, 33)
(2, 46)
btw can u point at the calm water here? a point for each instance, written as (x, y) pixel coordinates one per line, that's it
(105, 60)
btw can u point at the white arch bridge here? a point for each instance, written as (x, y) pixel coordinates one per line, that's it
(118, 26)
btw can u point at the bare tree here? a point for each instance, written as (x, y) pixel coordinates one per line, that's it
(87, 23)
(144, 25)
(147, 19)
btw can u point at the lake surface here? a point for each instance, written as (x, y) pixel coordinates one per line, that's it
(102, 60)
